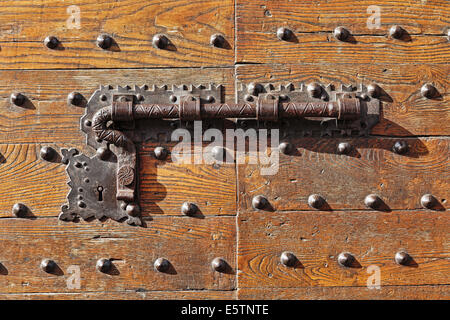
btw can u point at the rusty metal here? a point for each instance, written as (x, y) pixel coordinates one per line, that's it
(161, 265)
(316, 201)
(104, 41)
(217, 40)
(104, 265)
(47, 153)
(19, 210)
(260, 202)
(400, 147)
(428, 91)
(160, 41)
(284, 34)
(372, 201)
(428, 201)
(18, 99)
(189, 208)
(402, 258)
(397, 32)
(219, 264)
(288, 259)
(346, 259)
(341, 34)
(48, 265)
(51, 42)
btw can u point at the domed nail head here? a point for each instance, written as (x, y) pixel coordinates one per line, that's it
(103, 153)
(428, 91)
(19, 210)
(315, 201)
(396, 32)
(162, 265)
(189, 208)
(402, 258)
(284, 34)
(161, 153)
(133, 209)
(17, 99)
(372, 201)
(219, 264)
(104, 41)
(286, 148)
(51, 42)
(217, 41)
(341, 34)
(288, 259)
(75, 99)
(374, 90)
(400, 147)
(48, 265)
(346, 259)
(344, 148)
(160, 41)
(259, 202)
(47, 153)
(104, 265)
(428, 201)
(314, 89)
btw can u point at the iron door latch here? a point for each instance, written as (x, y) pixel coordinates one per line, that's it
(105, 185)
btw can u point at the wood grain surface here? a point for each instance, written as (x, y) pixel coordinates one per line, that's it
(189, 244)
(345, 180)
(404, 111)
(188, 25)
(47, 117)
(417, 17)
(317, 238)
(164, 185)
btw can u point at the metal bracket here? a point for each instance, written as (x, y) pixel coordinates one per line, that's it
(104, 186)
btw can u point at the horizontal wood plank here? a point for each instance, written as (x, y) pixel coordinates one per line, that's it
(317, 238)
(404, 111)
(345, 180)
(164, 185)
(47, 116)
(434, 292)
(417, 17)
(188, 25)
(132, 250)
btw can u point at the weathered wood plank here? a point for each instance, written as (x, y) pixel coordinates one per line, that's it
(316, 238)
(188, 25)
(345, 180)
(434, 292)
(405, 111)
(126, 295)
(133, 250)
(164, 185)
(417, 17)
(48, 118)
(323, 48)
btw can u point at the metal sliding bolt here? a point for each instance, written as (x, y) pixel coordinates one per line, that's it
(75, 98)
(48, 265)
(19, 210)
(160, 41)
(219, 264)
(428, 201)
(428, 91)
(396, 32)
(288, 259)
(161, 265)
(345, 259)
(314, 89)
(284, 34)
(189, 208)
(47, 153)
(344, 148)
(341, 34)
(372, 201)
(400, 147)
(104, 41)
(17, 98)
(402, 258)
(51, 42)
(260, 202)
(103, 265)
(217, 40)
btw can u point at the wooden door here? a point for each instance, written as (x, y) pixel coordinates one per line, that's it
(251, 241)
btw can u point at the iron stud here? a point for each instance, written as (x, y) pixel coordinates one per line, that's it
(161, 265)
(75, 98)
(314, 89)
(47, 153)
(315, 201)
(189, 208)
(48, 265)
(104, 41)
(217, 40)
(160, 41)
(428, 91)
(103, 265)
(133, 209)
(344, 148)
(402, 258)
(284, 34)
(345, 259)
(51, 42)
(428, 201)
(219, 264)
(400, 147)
(254, 89)
(341, 34)
(396, 32)
(286, 148)
(374, 90)
(103, 153)
(288, 259)
(260, 202)
(161, 153)
(18, 99)
(19, 210)
(372, 201)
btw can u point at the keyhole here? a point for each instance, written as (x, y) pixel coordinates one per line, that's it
(100, 193)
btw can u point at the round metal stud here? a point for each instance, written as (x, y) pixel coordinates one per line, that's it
(218, 153)
(47, 153)
(160, 41)
(288, 259)
(19, 210)
(87, 123)
(428, 91)
(161, 153)
(254, 88)
(428, 201)
(400, 147)
(51, 42)
(217, 40)
(103, 153)
(286, 148)
(104, 41)
(341, 34)
(189, 208)
(103, 265)
(48, 265)
(314, 89)
(260, 202)
(219, 264)
(315, 201)
(373, 90)
(17, 98)
(75, 98)
(133, 209)
(284, 34)
(345, 259)
(372, 201)
(161, 265)
(396, 32)
(344, 148)
(402, 258)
